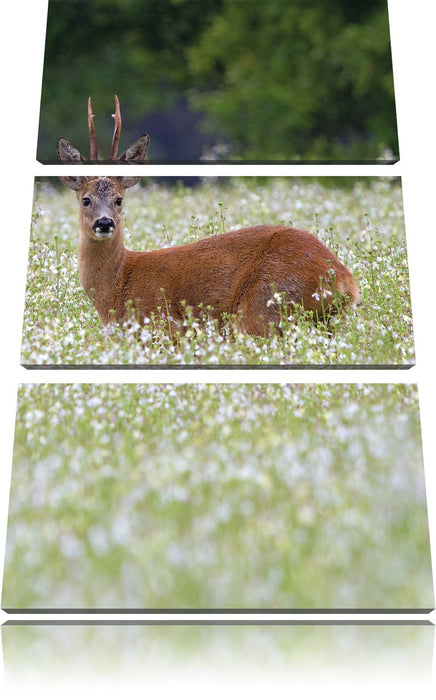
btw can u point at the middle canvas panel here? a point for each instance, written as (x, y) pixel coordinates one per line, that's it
(217, 272)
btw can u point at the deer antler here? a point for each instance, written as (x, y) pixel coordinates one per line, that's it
(117, 130)
(93, 153)
(134, 154)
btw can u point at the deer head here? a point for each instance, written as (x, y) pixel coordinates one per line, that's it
(136, 152)
(100, 200)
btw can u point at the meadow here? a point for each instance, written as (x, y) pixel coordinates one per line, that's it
(361, 220)
(270, 496)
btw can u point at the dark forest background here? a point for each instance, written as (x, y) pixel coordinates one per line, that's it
(253, 80)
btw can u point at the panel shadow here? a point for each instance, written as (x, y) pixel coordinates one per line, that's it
(132, 654)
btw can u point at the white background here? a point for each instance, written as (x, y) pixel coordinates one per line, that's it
(413, 36)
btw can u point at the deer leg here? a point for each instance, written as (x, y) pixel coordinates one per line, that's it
(255, 316)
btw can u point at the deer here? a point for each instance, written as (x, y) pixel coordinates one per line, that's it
(239, 274)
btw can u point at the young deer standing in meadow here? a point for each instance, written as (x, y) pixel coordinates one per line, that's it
(236, 273)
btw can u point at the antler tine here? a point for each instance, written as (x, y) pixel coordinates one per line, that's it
(117, 130)
(93, 153)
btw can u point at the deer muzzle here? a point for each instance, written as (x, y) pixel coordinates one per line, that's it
(103, 228)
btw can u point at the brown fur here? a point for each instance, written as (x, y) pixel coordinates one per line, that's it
(233, 273)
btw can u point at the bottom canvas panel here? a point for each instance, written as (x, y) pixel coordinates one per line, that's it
(179, 497)
(114, 655)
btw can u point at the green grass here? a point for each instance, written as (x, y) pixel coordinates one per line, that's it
(209, 496)
(361, 222)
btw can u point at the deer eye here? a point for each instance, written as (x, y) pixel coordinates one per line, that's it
(119, 201)
(86, 201)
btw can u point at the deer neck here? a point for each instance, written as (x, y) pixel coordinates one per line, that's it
(101, 264)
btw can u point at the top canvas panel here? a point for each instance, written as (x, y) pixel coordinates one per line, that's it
(221, 80)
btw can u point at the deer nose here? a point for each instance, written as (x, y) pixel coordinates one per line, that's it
(104, 225)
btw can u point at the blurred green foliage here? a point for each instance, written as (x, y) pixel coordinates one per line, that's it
(281, 80)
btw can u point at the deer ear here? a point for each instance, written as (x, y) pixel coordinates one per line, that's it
(67, 153)
(73, 182)
(128, 181)
(138, 150)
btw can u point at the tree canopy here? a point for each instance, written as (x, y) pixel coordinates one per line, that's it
(276, 80)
